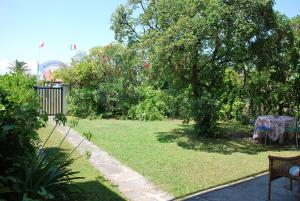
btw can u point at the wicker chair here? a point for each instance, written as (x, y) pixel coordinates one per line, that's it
(279, 167)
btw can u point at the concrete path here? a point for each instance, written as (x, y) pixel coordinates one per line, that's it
(134, 186)
(253, 189)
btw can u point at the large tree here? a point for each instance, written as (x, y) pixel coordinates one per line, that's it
(190, 43)
(295, 23)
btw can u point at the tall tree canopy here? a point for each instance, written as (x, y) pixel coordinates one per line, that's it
(191, 43)
(18, 67)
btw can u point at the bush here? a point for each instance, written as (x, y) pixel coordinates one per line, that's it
(153, 106)
(116, 98)
(19, 118)
(104, 81)
(84, 102)
(40, 178)
(205, 111)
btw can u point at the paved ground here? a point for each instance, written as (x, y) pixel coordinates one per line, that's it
(254, 189)
(134, 186)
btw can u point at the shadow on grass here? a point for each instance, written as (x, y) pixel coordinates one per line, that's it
(79, 190)
(94, 191)
(186, 138)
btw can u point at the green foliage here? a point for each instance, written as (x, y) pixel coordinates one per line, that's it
(19, 118)
(205, 60)
(40, 178)
(233, 106)
(152, 106)
(25, 175)
(103, 82)
(63, 74)
(84, 102)
(295, 23)
(191, 45)
(88, 135)
(18, 67)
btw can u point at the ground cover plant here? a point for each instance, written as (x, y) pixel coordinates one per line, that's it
(171, 155)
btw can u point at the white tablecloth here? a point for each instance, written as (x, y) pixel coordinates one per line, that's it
(277, 124)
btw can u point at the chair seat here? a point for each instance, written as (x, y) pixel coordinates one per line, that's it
(294, 171)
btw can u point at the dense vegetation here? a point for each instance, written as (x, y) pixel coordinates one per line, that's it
(202, 60)
(26, 173)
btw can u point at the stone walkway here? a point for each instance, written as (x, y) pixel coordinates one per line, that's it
(134, 186)
(253, 189)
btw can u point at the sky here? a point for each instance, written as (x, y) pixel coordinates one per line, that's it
(60, 23)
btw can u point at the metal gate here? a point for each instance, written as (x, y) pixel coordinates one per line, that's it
(51, 99)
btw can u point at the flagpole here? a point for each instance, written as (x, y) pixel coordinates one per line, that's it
(38, 66)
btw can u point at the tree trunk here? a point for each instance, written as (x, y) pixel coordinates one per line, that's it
(194, 81)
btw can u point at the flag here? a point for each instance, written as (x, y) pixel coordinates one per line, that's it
(42, 44)
(73, 46)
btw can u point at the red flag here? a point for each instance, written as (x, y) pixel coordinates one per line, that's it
(42, 44)
(73, 46)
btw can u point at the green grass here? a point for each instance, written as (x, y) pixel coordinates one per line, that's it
(169, 154)
(94, 186)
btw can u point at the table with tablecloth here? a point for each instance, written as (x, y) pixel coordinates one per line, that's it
(278, 124)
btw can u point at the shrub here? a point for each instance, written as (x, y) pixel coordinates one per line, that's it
(41, 174)
(84, 102)
(40, 178)
(19, 118)
(153, 106)
(205, 110)
(104, 81)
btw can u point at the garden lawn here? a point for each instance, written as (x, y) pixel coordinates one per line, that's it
(94, 186)
(169, 154)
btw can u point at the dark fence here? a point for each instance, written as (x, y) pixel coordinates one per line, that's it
(51, 99)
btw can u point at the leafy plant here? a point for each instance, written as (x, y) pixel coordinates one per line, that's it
(191, 44)
(153, 105)
(40, 177)
(19, 67)
(26, 173)
(84, 102)
(72, 123)
(43, 178)
(19, 119)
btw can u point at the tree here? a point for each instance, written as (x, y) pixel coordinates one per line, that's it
(190, 44)
(295, 23)
(19, 67)
(104, 81)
